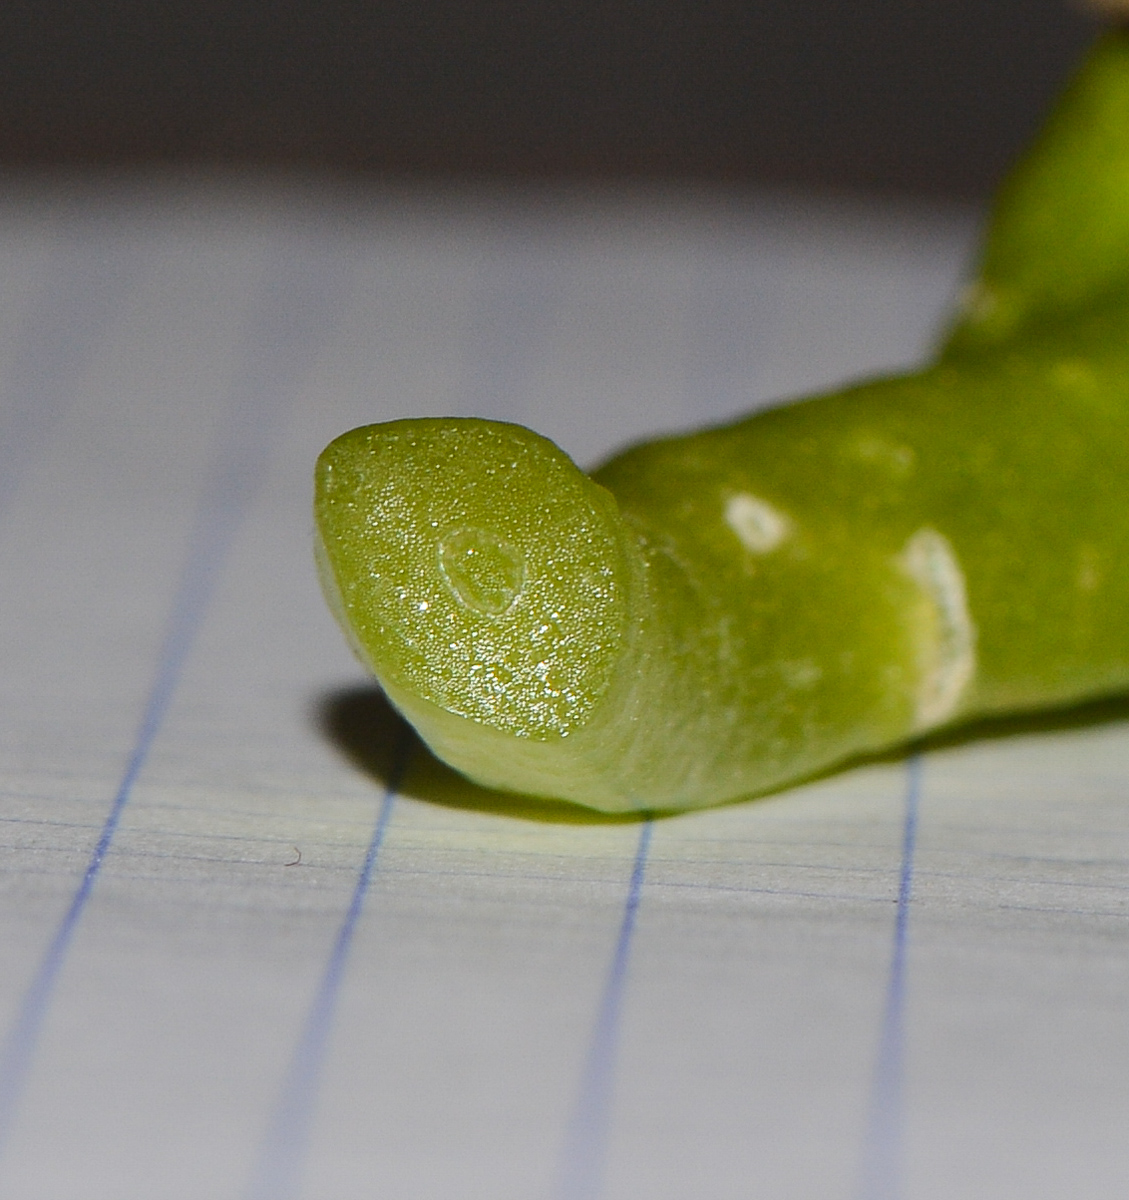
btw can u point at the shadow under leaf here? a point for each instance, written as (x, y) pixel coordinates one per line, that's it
(364, 726)
(1107, 710)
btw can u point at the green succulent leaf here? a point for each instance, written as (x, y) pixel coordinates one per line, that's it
(717, 615)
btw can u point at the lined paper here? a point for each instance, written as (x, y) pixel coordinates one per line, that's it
(260, 944)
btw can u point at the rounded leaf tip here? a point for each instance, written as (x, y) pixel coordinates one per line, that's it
(476, 570)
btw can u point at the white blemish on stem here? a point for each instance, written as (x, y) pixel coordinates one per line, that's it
(1088, 577)
(947, 638)
(760, 527)
(978, 302)
(895, 457)
(801, 675)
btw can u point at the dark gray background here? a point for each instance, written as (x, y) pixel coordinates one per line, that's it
(923, 96)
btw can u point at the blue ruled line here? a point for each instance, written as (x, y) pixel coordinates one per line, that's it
(585, 1150)
(279, 1168)
(290, 291)
(883, 1145)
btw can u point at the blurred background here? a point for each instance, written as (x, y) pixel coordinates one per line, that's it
(919, 97)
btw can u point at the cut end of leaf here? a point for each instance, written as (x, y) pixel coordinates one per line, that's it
(477, 571)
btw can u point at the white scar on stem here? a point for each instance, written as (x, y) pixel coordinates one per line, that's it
(947, 647)
(759, 526)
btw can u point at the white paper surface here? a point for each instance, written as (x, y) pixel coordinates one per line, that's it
(906, 982)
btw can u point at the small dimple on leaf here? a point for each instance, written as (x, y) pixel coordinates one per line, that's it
(485, 572)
